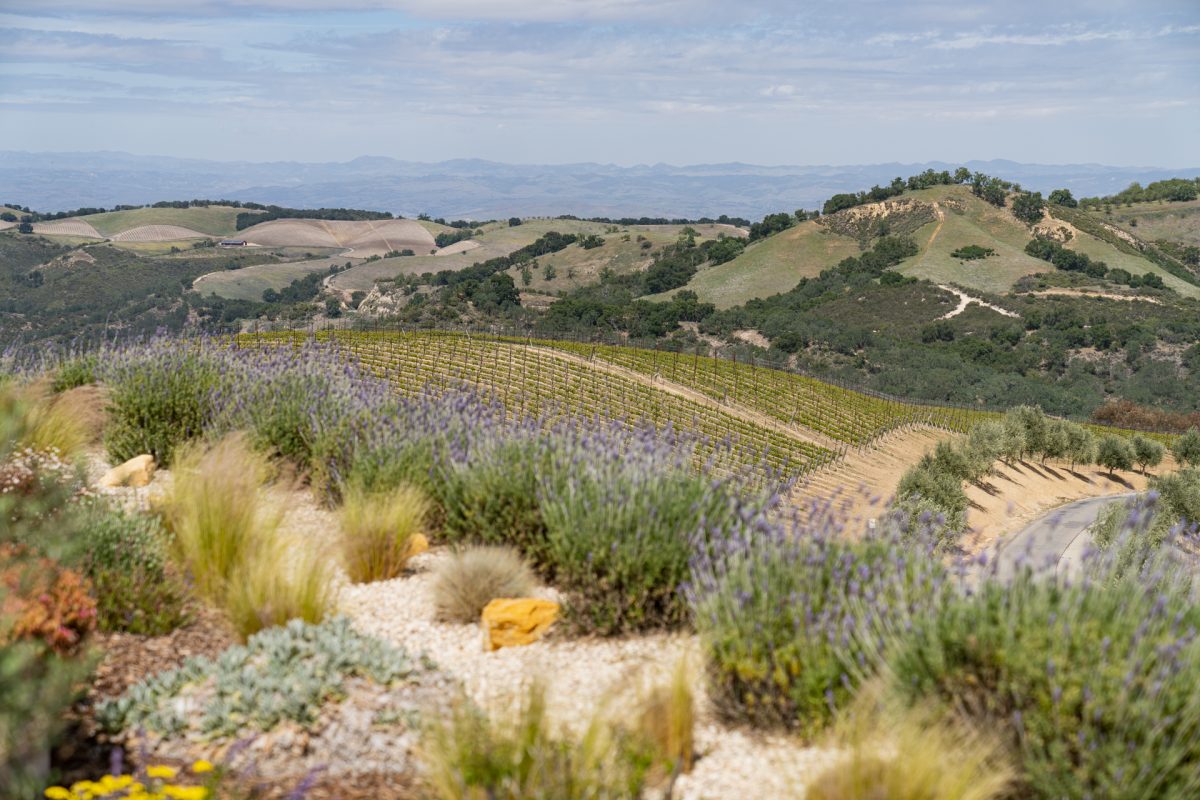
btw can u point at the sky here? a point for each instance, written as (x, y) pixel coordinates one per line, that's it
(611, 81)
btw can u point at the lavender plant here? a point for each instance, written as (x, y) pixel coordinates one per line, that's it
(781, 607)
(1093, 683)
(162, 393)
(621, 511)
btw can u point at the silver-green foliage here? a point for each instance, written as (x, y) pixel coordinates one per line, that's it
(283, 673)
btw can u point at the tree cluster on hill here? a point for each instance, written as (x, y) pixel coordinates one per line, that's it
(724, 219)
(245, 219)
(1173, 190)
(1071, 261)
(447, 238)
(935, 484)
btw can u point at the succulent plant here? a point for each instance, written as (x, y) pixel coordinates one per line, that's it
(283, 673)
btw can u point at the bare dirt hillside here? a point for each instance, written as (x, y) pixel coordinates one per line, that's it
(1018, 494)
(860, 485)
(365, 238)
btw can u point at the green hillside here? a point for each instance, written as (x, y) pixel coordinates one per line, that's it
(1155, 222)
(956, 219)
(626, 250)
(213, 220)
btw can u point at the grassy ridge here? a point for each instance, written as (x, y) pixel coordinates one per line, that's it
(213, 220)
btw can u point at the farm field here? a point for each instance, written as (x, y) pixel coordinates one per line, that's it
(211, 220)
(78, 227)
(537, 381)
(363, 237)
(497, 239)
(249, 283)
(800, 419)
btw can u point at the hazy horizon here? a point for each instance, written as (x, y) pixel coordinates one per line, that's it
(680, 82)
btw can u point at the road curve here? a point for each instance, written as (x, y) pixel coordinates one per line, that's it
(1052, 544)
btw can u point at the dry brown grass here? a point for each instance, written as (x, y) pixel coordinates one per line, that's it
(378, 530)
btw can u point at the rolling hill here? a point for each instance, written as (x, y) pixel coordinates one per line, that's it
(955, 219)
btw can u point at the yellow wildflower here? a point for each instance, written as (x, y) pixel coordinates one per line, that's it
(202, 766)
(161, 771)
(58, 793)
(186, 792)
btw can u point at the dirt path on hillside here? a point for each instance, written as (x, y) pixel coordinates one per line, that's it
(965, 300)
(679, 390)
(1083, 293)
(941, 215)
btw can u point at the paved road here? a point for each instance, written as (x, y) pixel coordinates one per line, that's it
(1053, 544)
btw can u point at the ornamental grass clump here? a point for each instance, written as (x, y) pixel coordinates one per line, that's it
(1092, 683)
(227, 534)
(910, 754)
(471, 756)
(378, 530)
(782, 606)
(466, 581)
(217, 511)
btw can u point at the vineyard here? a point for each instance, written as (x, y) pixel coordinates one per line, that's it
(788, 421)
(796, 400)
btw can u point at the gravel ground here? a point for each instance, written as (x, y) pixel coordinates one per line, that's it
(580, 675)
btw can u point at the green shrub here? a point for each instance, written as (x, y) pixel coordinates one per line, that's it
(126, 561)
(284, 578)
(777, 608)
(492, 498)
(284, 673)
(74, 372)
(620, 540)
(1092, 684)
(470, 756)
(468, 580)
(378, 530)
(160, 397)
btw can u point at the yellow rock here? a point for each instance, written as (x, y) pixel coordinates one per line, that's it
(418, 544)
(518, 621)
(136, 472)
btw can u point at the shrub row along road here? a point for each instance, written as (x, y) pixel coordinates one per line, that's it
(1054, 543)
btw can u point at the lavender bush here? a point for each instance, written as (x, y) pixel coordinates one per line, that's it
(162, 393)
(791, 613)
(489, 489)
(621, 510)
(1093, 683)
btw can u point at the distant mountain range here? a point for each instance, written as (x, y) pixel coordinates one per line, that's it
(469, 188)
